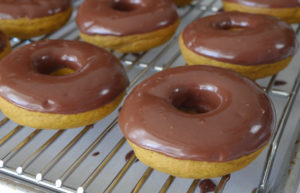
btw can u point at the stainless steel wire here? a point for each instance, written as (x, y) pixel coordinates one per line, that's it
(59, 185)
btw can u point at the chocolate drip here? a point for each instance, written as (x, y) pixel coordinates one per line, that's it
(96, 154)
(207, 185)
(237, 121)
(16, 9)
(125, 17)
(25, 79)
(241, 38)
(279, 83)
(267, 3)
(129, 155)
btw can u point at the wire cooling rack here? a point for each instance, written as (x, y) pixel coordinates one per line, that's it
(97, 158)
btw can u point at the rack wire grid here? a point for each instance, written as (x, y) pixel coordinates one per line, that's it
(98, 159)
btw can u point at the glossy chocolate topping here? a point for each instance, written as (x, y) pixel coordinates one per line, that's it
(125, 17)
(16, 9)
(98, 77)
(268, 3)
(241, 38)
(3, 40)
(234, 116)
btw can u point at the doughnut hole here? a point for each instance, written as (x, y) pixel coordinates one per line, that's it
(54, 66)
(62, 72)
(126, 5)
(195, 101)
(228, 26)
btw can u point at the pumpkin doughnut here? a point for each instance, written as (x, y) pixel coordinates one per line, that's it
(127, 26)
(38, 91)
(197, 121)
(4, 45)
(31, 18)
(287, 10)
(253, 45)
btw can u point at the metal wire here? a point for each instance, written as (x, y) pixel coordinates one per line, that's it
(222, 184)
(277, 137)
(49, 165)
(58, 185)
(9, 155)
(193, 186)
(272, 151)
(34, 155)
(106, 160)
(167, 184)
(121, 173)
(10, 134)
(142, 180)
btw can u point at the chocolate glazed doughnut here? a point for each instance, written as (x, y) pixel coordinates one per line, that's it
(30, 18)
(127, 25)
(197, 121)
(288, 11)
(4, 45)
(32, 96)
(253, 45)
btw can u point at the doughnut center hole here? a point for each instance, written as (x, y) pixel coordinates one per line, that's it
(53, 67)
(228, 26)
(194, 101)
(126, 5)
(236, 29)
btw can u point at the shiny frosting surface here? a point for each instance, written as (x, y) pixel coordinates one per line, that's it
(236, 120)
(241, 38)
(267, 3)
(98, 77)
(125, 17)
(16, 9)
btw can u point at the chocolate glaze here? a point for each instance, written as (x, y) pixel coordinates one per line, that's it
(98, 77)
(207, 185)
(279, 82)
(129, 155)
(125, 17)
(267, 3)
(239, 125)
(16, 9)
(96, 154)
(3, 41)
(259, 39)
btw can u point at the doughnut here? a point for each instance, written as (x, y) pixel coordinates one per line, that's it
(254, 45)
(60, 84)
(181, 3)
(287, 10)
(4, 45)
(127, 26)
(197, 121)
(31, 18)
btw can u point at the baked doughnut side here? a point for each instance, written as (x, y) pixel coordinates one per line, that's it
(288, 11)
(254, 45)
(25, 28)
(127, 26)
(197, 118)
(252, 72)
(71, 81)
